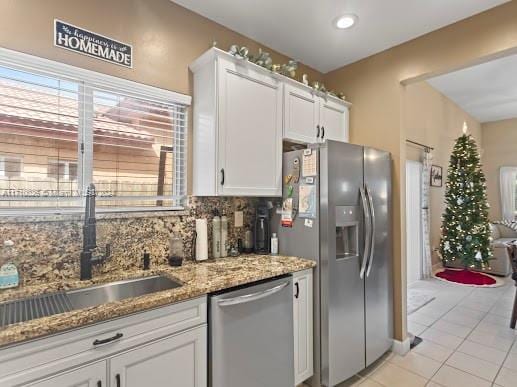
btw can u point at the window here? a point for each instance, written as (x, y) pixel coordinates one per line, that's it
(137, 154)
(62, 169)
(63, 128)
(10, 166)
(515, 204)
(508, 189)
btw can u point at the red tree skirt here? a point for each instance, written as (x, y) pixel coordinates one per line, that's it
(466, 277)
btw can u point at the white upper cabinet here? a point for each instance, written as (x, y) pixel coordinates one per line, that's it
(301, 114)
(237, 128)
(242, 112)
(334, 120)
(310, 117)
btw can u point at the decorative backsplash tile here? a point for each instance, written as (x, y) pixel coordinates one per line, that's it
(48, 249)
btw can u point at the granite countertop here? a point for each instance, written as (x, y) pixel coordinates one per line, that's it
(197, 280)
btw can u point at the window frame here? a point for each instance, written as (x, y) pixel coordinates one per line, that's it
(88, 80)
(515, 203)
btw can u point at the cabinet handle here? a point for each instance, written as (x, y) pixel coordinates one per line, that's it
(222, 176)
(117, 379)
(297, 294)
(318, 133)
(322, 132)
(108, 340)
(99, 384)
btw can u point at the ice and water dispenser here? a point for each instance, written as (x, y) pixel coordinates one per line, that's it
(347, 232)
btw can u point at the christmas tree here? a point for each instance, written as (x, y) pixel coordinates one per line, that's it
(465, 227)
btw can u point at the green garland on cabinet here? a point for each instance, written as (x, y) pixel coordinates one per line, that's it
(288, 69)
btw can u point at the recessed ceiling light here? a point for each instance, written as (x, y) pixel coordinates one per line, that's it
(345, 21)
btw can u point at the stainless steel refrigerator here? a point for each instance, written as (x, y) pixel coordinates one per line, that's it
(341, 217)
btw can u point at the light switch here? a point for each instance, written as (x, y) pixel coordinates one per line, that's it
(239, 219)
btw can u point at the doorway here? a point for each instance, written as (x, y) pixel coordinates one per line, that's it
(414, 245)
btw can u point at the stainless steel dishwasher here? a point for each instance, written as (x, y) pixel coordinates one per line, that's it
(251, 336)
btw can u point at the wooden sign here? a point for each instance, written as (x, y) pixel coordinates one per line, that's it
(85, 42)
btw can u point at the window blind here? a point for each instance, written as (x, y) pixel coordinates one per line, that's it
(138, 149)
(38, 122)
(61, 131)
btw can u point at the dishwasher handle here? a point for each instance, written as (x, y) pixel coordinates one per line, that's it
(253, 296)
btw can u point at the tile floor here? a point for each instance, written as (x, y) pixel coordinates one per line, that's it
(467, 342)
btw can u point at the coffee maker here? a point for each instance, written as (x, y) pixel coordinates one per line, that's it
(262, 230)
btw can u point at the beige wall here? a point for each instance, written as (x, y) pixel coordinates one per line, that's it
(166, 38)
(374, 87)
(499, 150)
(434, 120)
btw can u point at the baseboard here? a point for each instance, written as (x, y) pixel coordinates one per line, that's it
(401, 347)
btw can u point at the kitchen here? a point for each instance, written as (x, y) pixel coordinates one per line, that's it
(175, 209)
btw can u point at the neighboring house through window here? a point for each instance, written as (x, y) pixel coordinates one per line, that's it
(63, 128)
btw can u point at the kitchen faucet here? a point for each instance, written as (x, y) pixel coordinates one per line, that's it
(90, 237)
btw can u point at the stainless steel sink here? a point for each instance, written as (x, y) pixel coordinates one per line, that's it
(49, 304)
(121, 290)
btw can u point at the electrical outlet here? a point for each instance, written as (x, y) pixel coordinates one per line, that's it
(239, 219)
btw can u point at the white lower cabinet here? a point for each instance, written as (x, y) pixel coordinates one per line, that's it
(162, 347)
(179, 360)
(92, 375)
(303, 326)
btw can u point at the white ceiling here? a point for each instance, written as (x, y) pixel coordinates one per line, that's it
(303, 30)
(488, 91)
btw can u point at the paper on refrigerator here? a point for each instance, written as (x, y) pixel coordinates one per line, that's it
(307, 201)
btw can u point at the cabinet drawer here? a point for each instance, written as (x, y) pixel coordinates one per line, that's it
(70, 349)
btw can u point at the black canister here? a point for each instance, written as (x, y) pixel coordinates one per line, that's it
(262, 230)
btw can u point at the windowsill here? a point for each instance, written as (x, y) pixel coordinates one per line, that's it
(78, 215)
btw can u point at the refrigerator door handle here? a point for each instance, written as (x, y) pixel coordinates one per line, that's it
(368, 229)
(372, 224)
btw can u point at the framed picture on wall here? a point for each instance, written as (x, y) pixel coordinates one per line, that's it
(436, 176)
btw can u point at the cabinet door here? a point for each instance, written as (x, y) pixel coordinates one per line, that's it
(303, 326)
(301, 114)
(93, 375)
(176, 361)
(250, 131)
(334, 120)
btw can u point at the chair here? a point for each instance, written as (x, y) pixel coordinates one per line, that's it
(502, 237)
(512, 249)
